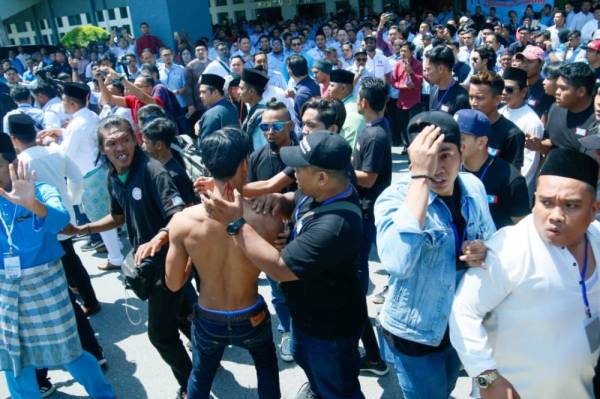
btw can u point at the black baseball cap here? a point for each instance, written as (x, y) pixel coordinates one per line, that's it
(443, 120)
(322, 149)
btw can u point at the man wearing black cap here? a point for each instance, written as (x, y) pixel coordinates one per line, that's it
(318, 268)
(505, 187)
(252, 87)
(341, 89)
(219, 112)
(521, 114)
(429, 227)
(535, 306)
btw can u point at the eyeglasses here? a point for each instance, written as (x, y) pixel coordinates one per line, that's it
(276, 126)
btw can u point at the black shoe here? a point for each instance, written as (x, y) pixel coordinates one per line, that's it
(91, 245)
(91, 310)
(46, 388)
(378, 367)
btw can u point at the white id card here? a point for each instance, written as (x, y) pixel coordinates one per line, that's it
(445, 108)
(12, 267)
(592, 331)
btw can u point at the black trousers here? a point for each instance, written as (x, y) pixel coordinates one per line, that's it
(393, 117)
(76, 274)
(164, 323)
(404, 116)
(89, 343)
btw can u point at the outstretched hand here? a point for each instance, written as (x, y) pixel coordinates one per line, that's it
(23, 187)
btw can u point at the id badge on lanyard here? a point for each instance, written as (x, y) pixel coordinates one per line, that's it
(591, 323)
(12, 262)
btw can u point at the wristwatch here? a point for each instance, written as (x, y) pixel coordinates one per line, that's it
(485, 380)
(234, 227)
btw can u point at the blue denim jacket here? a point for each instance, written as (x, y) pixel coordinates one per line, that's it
(422, 262)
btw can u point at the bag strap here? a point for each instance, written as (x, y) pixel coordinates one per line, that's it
(334, 206)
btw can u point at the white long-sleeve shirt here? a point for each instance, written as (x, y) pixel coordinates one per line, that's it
(524, 315)
(79, 140)
(530, 123)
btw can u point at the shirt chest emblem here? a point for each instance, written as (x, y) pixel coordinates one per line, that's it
(136, 193)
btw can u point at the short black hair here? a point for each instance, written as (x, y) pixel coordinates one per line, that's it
(237, 56)
(298, 65)
(118, 84)
(20, 93)
(488, 54)
(113, 121)
(148, 113)
(11, 69)
(46, 89)
(375, 91)
(492, 80)
(224, 150)
(441, 55)
(148, 79)
(275, 105)
(149, 68)
(328, 113)
(160, 129)
(579, 74)
(259, 52)
(551, 70)
(7, 149)
(410, 45)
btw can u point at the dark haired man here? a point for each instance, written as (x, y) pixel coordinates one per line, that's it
(229, 309)
(572, 117)
(22, 97)
(304, 87)
(140, 186)
(46, 98)
(219, 111)
(147, 41)
(446, 94)
(506, 140)
(372, 163)
(321, 259)
(532, 62)
(407, 78)
(193, 71)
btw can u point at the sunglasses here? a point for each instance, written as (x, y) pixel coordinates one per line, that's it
(276, 126)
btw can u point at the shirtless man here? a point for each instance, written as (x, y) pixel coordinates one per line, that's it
(229, 309)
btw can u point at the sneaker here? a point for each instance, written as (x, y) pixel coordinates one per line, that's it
(284, 348)
(91, 245)
(304, 392)
(46, 388)
(378, 367)
(379, 298)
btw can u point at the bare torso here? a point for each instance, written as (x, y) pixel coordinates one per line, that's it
(227, 276)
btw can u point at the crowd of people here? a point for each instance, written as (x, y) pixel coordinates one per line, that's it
(267, 149)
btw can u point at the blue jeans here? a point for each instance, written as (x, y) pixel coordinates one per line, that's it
(210, 337)
(430, 376)
(331, 365)
(280, 305)
(84, 369)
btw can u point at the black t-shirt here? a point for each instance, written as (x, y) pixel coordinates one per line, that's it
(565, 128)
(327, 301)
(507, 142)
(265, 163)
(373, 154)
(461, 71)
(451, 100)
(537, 98)
(506, 191)
(597, 72)
(147, 199)
(182, 181)
(411, 348)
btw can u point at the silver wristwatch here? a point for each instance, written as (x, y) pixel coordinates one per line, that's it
(485, 380)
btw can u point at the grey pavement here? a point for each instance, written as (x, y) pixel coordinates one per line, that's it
(137, 372)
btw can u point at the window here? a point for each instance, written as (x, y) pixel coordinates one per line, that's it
(12, 41)
(127, 28)
(21, 27)
(24, 40)
(100, 16)
(123, 12)
(88, 18)
(10, 28)
(42, 23)
(240, 15)
(45, 39)
(219, 3)
(238, 1)
(74, 19)
(111, 14)
(59, 22)
(222, 16)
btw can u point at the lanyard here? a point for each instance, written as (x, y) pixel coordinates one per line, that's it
(485, 170)
(444, 96)
(344, 194)
(9, 229)
(458, 241)
(582, 283)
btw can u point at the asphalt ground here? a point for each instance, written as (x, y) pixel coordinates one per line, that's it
(136, 370)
